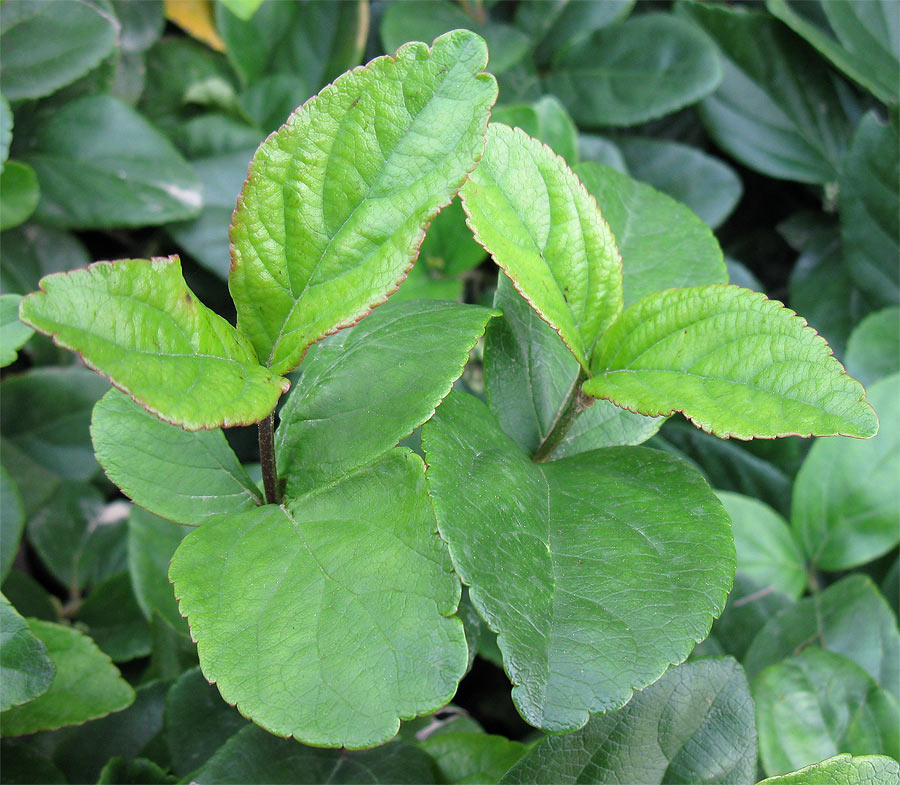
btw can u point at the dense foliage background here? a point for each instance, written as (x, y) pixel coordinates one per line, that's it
(126, 129)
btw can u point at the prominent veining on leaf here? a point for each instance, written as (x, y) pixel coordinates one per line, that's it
(734, 362)
(137, 322)
(337, 201)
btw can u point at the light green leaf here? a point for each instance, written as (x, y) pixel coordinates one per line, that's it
(528, 373)
(594, 570)
(101, 165)
(31, 251)
(734, 362)
(873, 350)
(615, 78)
(197, 722)
(137, 322)
(472, 757)
(663, 244)
(846, 500)
(546, 119)
(136, 451)
(47, 45)
(19, 194)
(849, 617)
(843, 770)
(151, 543)
(423, 20)
(870, 205)
(706, 184)
(242, 9)
(366, 388)
(862, 39)
(13, 334)
(780, 109)
(352, 566)
(694, 725)
(115, 621)
(766, 550)
(253, 756)
(374, 156)
(12, 519)
(424, 284)
(816, 704)
(86, 686)
(26, 669)
(535, 218)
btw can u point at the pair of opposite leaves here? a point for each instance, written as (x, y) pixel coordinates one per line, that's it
(327, 225)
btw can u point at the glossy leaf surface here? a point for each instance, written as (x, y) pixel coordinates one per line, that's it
(25, 667)
(137, 322)
(694, 725)
(541, 226)
(594, 571)
(136, 451)
(843, 769)
(347, 410)
(352, 566)
(370, 161)
(734, 362)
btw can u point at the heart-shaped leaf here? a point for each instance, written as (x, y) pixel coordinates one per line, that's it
(354, 566)
(137, 322)
(337, 201)
(734, 362)
(597, 571)
(535, 218)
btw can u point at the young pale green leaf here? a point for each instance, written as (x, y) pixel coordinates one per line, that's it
(47, 45)
(137, 322)
(114, 619)
(136, 449)
(859, 38)
(528, 373)
(545, 119)
(693, 725)
(347, 410)
(86, 685)
(12, 519)
(535, 218)
(597, 571)
(253, 756)
(102, 165)
(19, 194)
(779, 109)
(462, 757)
(873, 350)
(615, 78)
(734, 362)
(337, 201)
(26, 669)
(663, 244)
(766, 550)
(846, 501)
(13, 334)
(816, 704)
(850, 617)
(843, 770)
(354, 566)
(870, 206)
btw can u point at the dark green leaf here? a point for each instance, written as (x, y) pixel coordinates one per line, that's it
(30, 252)
(136, 451)
(594, 570)
(694, 725)
(843, 770)
(448, 247)
(13, 334)
(26, 669)
(114, 619)
(137, 771)
(12, 519)
(142, 23)
(29, 597)
(873, 350)
(23, 764)
(48, 44)
(615, 78)
(19, 194)
(601, 150)
(34, 483)
(337, 420)
(6, 130)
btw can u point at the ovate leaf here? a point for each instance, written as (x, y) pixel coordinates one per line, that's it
(26, 669)
(843, 770)
(337, 419)
(535, 218)
(597, 571)
(136, 451)
(734, 362)
(352, 566)
(615, 78)
(86, 686)
(846, 501)
(694, 725)
(137, 322)
(337, 201)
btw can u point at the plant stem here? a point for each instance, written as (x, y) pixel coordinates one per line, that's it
(575, 403)
(267, 459)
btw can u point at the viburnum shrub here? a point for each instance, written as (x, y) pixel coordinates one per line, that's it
(326, 609)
